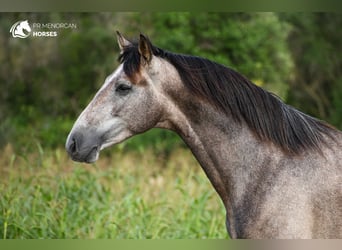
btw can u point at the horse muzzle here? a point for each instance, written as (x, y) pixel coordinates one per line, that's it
(83, 147)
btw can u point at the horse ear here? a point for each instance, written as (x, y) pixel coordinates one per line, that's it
(123, 42)
(145, 48)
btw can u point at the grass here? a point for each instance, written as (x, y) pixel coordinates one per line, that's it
(125, 195)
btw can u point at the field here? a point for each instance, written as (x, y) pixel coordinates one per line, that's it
(125, 195)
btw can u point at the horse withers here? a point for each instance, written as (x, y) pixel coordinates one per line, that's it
(276, 169)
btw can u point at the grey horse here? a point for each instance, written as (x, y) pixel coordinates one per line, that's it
(276, 169)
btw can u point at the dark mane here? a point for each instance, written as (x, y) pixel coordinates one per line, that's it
(264, 113)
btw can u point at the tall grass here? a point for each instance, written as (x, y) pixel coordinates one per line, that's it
(127, 195)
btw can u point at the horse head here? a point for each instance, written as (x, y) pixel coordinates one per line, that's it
(129, 102)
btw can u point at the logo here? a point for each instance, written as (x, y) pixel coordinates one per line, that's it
(21, 29)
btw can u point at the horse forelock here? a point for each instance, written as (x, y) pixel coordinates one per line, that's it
(132, 62)
(130, 58)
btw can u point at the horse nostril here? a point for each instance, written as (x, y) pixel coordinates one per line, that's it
(72, 146)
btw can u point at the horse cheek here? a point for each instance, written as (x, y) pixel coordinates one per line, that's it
(145, 115)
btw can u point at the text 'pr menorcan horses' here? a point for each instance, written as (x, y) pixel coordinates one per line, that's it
(277, 170)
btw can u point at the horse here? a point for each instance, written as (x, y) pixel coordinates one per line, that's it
(276, 169)
(18, 28)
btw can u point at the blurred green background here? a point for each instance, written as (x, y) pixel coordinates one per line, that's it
(46, 82)
(149, 186)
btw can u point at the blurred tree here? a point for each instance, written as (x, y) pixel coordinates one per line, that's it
(252, 43)
(46, 82)
(315, 42)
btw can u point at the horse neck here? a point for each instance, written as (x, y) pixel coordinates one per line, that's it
(221, 146)
(228, 151)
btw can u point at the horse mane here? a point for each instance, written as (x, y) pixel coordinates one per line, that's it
(236, 96)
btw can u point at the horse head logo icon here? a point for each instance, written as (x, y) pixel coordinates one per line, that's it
(18, 29)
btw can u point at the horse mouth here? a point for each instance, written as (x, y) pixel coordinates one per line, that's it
(89, 157)
(93, 155)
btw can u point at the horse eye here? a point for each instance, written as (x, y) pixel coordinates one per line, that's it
(123, 88)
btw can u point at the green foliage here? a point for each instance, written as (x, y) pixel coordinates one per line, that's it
(252, 43)
(45, 195)
(46, 83)
(336, 104)
(316, 48)
(161, 142)
(49, 81)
